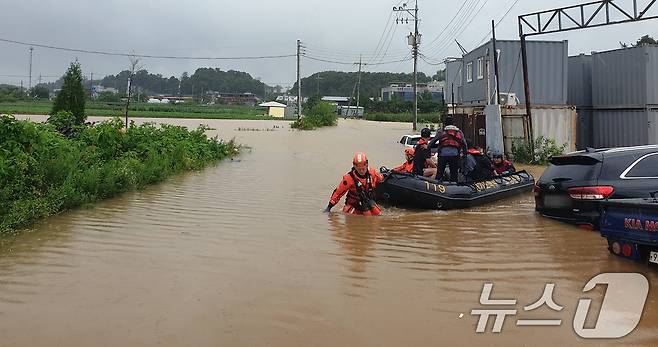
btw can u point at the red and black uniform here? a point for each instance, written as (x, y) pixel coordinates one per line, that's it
(477, 166)
(504, 168)
(422, 152)
(360, 191)
(451, 146)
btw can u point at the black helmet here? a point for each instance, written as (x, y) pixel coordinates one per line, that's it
(448, 121)
(425, 133)
(498, 156)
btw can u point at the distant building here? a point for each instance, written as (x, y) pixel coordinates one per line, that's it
(96, 91)
(244, 99)
(337, 100)
(275, 109)
(351, 111)
(405, 91)
(289, 99)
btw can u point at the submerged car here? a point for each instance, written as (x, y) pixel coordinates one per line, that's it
(411, 141)
(573, 185)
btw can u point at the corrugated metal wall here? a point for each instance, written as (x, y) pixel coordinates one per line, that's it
(547, 65)
(619, 78)
(557, 123)
(621, 128)
(584, 128)
(580, 81)
(453, 72)
(653, 126)
(652, 75)
(624, 84)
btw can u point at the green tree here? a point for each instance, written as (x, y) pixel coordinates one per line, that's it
(40, 92)
(11, 93)
(440, 75)
(308, 106)
(72, 96)
(646, 39)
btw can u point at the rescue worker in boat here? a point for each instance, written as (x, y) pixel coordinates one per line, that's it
(477, 165)
(452, 146)
(408, 165)
(502, 166)
(423, 164)
(359, 185)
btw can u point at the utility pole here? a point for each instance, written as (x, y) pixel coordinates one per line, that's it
(495, 59)
(39, 79)
(30, 80)
(133, 66)
(299, 79)
(318, 78)
(414, 41)
(358, 87)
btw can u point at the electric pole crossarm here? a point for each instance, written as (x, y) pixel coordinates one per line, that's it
(414, 41)
(616, 12)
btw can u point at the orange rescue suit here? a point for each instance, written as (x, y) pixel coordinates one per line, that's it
(407, 167)
(353, 184)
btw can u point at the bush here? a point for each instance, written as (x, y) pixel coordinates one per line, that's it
(321, 115)
(538, 154)
(63, 121)
(43, 172)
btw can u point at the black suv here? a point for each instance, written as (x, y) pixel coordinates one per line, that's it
(573, 185)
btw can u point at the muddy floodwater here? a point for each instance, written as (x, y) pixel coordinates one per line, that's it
(240, 254)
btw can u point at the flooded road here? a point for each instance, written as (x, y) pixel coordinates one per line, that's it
(240, 254)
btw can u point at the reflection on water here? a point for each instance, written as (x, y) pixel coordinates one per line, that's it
(240, 254)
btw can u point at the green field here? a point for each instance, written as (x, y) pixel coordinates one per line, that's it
(144, 110)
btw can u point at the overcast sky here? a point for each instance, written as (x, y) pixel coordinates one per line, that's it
(337, 30)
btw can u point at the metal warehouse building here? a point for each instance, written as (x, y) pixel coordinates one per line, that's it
(616, 94)
(547, 65)
(471, 85)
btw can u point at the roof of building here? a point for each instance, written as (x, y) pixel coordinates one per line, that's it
(272, 104)
(335, 98)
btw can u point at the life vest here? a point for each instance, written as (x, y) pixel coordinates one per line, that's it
(360, 195)
(505, 166)
(451, 137)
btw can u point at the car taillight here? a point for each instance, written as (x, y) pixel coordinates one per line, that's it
(591, 193)
(536, 190)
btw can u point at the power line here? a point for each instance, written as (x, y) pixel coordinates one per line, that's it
(499, 21)
(462, 28)
(351, 63)
(144, 55)
(457, 28)
(449, 23)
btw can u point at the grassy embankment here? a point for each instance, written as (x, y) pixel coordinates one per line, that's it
(142, 110)
(44, 173)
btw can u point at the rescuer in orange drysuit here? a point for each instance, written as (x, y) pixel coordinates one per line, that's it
(408, 165)
(359, 185)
